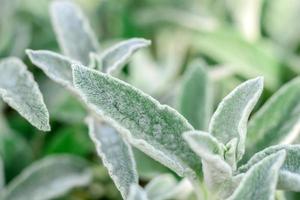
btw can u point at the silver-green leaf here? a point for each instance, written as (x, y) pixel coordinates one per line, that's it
(48, 178)
(137, 193)
(216, 171)
(230, 119)
(19, 90)
(116, 155)
(195, 99)
(277, 121)
(153, 128)
(289, 174)
(116, 56)
(260, 181)
(73, 31)
(54, 65)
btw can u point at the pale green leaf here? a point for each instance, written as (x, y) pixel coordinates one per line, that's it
(230, 119)
(244, 58)
(116, 155)
(54, 65)
(279, 14)
(21, 92)
(49, 178)
(195, 99)
(215, 169)
(73, 31)
(137, 193)
(260, 181)
(153, 128)
(277, 121)
(116, 56)
(289, 174)
(159, 187)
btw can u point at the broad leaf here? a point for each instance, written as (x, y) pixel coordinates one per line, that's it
(116, 155)
(116, 56)
(73, 31)
(54, 65)
(277, 121)
(21, 92)
(137, 193)
(48, 178)
(260, 181)
(230, 119)
(289, 174)
(153, 128)
(215, 169)
(195, 99)
(245, 58)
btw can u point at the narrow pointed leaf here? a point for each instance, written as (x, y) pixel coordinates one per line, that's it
(49, 178)
(54, 65)
(153, 128)
(21, 92)
(73, 31)
(195, 102)
(277, 121)
(230, 119)
(289, 174)
(260, 181)
(117, 55)
(116, 155)
(137, 193)
(215, 169)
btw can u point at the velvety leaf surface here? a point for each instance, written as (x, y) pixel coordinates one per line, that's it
(49, 178)
(154, 128)
(116, 155)
(215, 169)
(230, 119)
(116, 56)
(195, 99)
(73, 31)
(21, 92)
(137, 193)
(260, 181)
(54, 65)
(289, 174)
(277, 120)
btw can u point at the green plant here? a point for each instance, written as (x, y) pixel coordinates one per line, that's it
(210, 153)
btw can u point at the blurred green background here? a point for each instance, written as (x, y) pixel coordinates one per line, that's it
(236, 39)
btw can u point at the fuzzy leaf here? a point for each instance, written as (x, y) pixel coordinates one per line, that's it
(117, 55)
(161, 187)
(54, 65)
(73, 31)
(153, 128)
(289, 174)
(48, 178)
(195, 102)
(137, 193)
(260, 181)
(230, 119)
(21, 92)
(116, 155)
(2, 175)
(277, 121)
(215, 169)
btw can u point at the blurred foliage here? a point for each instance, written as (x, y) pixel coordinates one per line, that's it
(236, 39)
